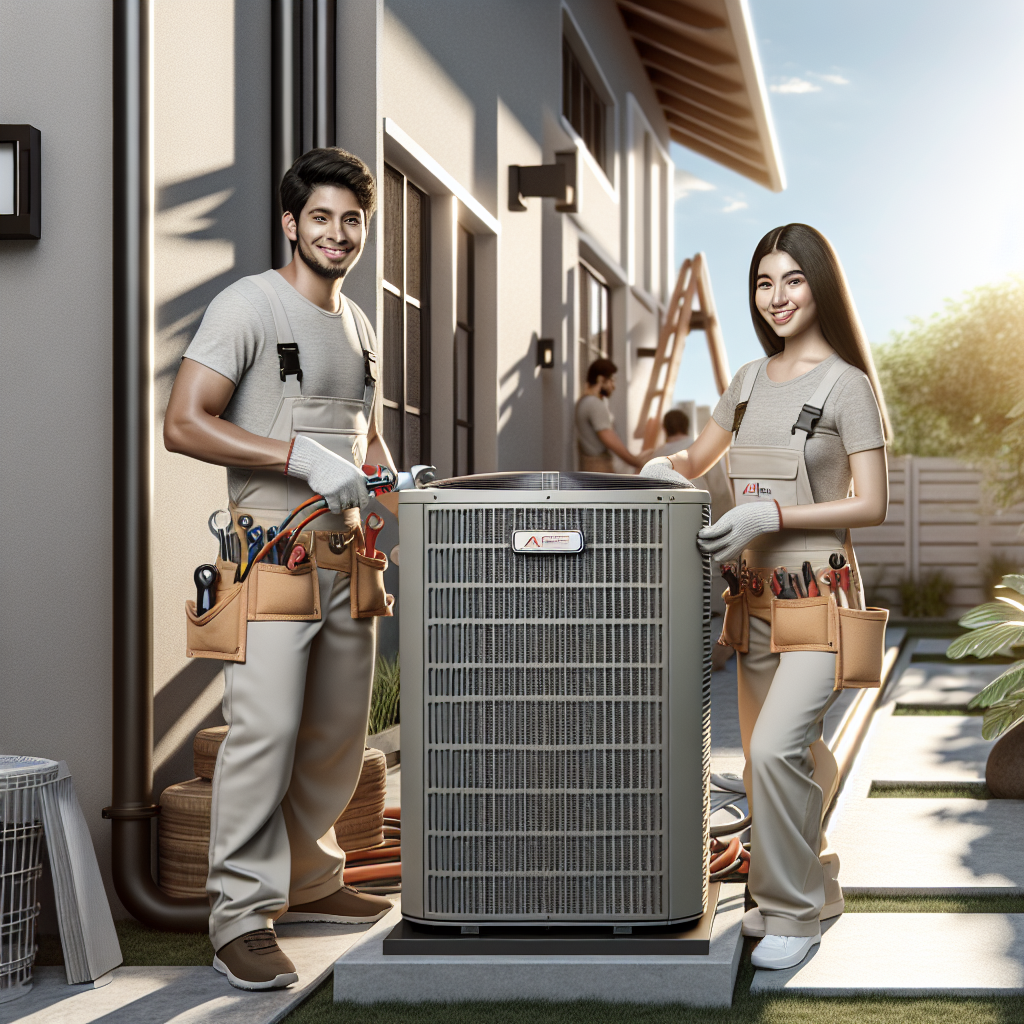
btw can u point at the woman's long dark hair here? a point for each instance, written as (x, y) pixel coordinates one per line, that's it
(837, 315)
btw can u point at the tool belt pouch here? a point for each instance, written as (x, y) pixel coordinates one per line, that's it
(804, 624)
(861, 647)
(220, 632)
(336, 550)
(368, 597)
(736, 624)
(278, 593)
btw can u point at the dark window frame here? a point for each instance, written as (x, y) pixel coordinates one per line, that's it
(590, 282)
(464, 465)
(397, 247)
(584, 107)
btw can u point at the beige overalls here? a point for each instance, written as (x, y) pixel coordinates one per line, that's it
(790, 774)
(297, 707)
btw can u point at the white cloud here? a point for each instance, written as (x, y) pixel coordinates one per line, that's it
(834, 79)
(795, 85)
(732, 205)
(685, 183)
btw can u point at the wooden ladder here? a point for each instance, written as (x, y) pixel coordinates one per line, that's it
(693, 283)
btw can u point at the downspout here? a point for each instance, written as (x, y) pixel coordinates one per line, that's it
(132, 808)
(286, 57)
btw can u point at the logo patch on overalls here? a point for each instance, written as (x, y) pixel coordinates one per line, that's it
(756, 489)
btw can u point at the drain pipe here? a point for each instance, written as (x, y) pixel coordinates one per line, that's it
(132, 810)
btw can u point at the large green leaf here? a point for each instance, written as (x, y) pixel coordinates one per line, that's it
(1009, 685)
(1013, 582)
(1002, 718)
(986, 641)
(991, 613)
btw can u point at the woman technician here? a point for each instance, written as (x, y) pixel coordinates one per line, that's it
(803, 424)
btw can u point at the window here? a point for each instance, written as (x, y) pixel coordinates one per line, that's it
(583, 107)
(406, 288)
(595, 334)
(463, 370)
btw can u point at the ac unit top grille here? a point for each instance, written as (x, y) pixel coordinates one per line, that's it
(537, 481)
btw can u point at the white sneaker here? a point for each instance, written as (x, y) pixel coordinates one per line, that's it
(774, 952)
(753, 924)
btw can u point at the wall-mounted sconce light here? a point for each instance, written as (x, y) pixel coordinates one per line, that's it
(557, 180)
(545, 353)
(19, 181)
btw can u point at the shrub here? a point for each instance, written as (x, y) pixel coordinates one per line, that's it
(926, 598)
(384, 700)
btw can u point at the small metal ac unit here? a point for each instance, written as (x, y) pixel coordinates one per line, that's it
(556, 670)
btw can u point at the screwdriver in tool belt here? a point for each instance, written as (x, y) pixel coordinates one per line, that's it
(205, 577)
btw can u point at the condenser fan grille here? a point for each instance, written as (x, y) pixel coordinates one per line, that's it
(544, 730)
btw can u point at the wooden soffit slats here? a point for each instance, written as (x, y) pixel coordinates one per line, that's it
(678, 12)
(655, 32)
(664, 82)
(700, 116)
(701, 57)
(654, 56)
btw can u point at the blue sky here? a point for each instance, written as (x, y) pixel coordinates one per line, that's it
(901, 127)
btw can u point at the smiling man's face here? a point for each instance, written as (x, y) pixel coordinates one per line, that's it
(331, 231)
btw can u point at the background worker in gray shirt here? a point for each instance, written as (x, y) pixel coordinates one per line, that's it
(595, 433)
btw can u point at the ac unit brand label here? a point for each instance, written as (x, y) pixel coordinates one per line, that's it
(756, 489)
(547, 542)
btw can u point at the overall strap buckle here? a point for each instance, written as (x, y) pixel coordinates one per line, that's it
(369, 368)
(807, 420)
(288, 358)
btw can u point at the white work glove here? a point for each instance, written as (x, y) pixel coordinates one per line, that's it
(341, 483)
(727, 538)
(661, 469)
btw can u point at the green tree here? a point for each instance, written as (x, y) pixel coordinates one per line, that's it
(954, 384)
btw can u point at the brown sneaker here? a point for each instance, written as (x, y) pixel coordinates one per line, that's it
(346, 906)
(255, 961)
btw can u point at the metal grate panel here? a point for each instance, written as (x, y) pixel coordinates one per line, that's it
(544, 794)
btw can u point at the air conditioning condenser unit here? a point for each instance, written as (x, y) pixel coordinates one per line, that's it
(556, 669)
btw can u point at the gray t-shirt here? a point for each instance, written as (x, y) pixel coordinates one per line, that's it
(850, 422)
(592, 415)
(238, 340)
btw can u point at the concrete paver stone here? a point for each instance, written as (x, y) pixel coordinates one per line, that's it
(909, 955)
(184, 995)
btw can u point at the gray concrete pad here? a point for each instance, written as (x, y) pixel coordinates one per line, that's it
(925, 748)
(365, 975)
(942, 685)
(909, 955)
(184, 995)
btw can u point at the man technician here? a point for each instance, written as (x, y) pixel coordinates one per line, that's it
(279, 386)
(595, 431)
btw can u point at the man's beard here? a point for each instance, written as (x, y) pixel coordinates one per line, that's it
(331, 273)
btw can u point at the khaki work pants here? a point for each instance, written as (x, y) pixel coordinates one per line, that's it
(297, 710)
(782, 702)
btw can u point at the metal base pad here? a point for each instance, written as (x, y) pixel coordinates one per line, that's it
(410, 939)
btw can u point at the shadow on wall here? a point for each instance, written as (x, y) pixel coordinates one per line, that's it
(520, 413)
(228, 205)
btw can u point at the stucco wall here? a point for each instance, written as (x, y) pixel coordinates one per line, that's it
(55, 415)
(479, 89)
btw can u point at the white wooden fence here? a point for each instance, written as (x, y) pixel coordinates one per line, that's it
(937, 520)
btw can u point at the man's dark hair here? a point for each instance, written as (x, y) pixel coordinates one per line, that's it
(600, 368)
(676, 422)
(329, 166)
